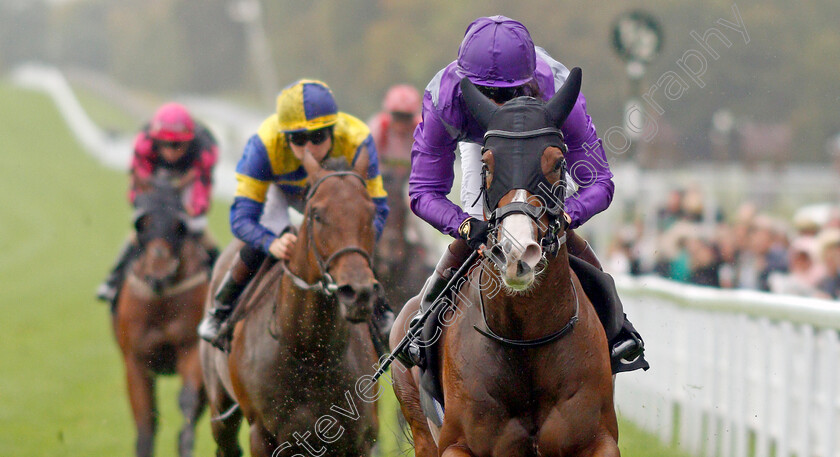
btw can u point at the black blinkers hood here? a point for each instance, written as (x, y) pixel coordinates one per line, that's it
(518, 157)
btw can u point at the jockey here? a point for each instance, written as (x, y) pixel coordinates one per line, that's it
(271, 178)
(172, 147)
(392, 128)
(499, 57)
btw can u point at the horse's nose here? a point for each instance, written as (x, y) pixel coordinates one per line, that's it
(531, 255)
(522, 268)
(358, 299)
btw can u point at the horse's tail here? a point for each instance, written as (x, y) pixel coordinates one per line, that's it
(226, 414)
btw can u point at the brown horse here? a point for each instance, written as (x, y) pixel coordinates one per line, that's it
(399, 264)
(159, 308)
(524, 365)
(300, 354)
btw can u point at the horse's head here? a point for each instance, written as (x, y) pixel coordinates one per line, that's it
(161, 230)
(524, 176)
(339, 234)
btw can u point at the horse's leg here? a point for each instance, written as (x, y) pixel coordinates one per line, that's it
(406, 389)
(191, 400)
(262, 443)
(226, 431)
(141, 395)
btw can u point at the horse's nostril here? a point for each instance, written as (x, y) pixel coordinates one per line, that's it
(522, 268)
(532, 255)
(378, 291)
(497, 255)
(346, 293)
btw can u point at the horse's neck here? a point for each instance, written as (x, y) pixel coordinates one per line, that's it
(543, 309)
(309, 319)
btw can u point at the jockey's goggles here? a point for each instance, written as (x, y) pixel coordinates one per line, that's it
(402, 117)
(501, 94)
(314, 136)
(171, 144)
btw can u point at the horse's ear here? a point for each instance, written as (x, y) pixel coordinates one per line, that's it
(481, 107)
(362, 162)
(564, 100)
(312, 167)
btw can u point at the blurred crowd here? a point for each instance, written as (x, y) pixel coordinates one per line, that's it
(746, 250)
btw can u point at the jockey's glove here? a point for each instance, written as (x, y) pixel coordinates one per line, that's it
(474, 232)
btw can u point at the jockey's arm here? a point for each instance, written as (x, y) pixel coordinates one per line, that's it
(432, 175)
(253, 177)
(142, 166)
(375, 187)
(202, 187)
(587, 166)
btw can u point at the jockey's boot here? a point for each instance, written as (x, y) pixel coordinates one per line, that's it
(381, 322)
(627, 345)
(452, 259)
(233, 283)
(109, 290)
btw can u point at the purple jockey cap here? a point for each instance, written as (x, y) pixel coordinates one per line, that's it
(497, 51)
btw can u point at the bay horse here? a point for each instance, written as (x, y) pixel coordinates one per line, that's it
(399, 262)
(524, 364)
(160, 305)
(302, 349)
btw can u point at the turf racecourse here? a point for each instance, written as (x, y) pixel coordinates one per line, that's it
(62, 219)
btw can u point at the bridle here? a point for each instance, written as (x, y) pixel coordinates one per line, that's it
(550, 241)
(325, 284)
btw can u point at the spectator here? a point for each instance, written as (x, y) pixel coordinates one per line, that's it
(802, 277)
(672, 211)
(705, 262)
(830, 249)
(761, 257)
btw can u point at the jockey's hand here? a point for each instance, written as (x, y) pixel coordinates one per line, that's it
(568, 220)
(188, 208)
(474, 232)
(283, 245)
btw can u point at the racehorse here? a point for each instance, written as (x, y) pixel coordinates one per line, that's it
(302, 343)
(399, 263)
(159, 308)
(523, 364)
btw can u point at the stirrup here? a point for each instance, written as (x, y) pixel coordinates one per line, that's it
(628, 349)
(411, 355)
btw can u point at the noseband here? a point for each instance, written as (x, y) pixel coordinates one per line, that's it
(326, 284)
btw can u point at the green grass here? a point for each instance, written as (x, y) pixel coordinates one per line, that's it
(62, 219)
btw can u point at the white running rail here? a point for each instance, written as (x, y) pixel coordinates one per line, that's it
(733, 373)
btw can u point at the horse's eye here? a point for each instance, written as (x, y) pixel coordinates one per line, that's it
(316, 216)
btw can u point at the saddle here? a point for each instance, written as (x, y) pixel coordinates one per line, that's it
(597, 285)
